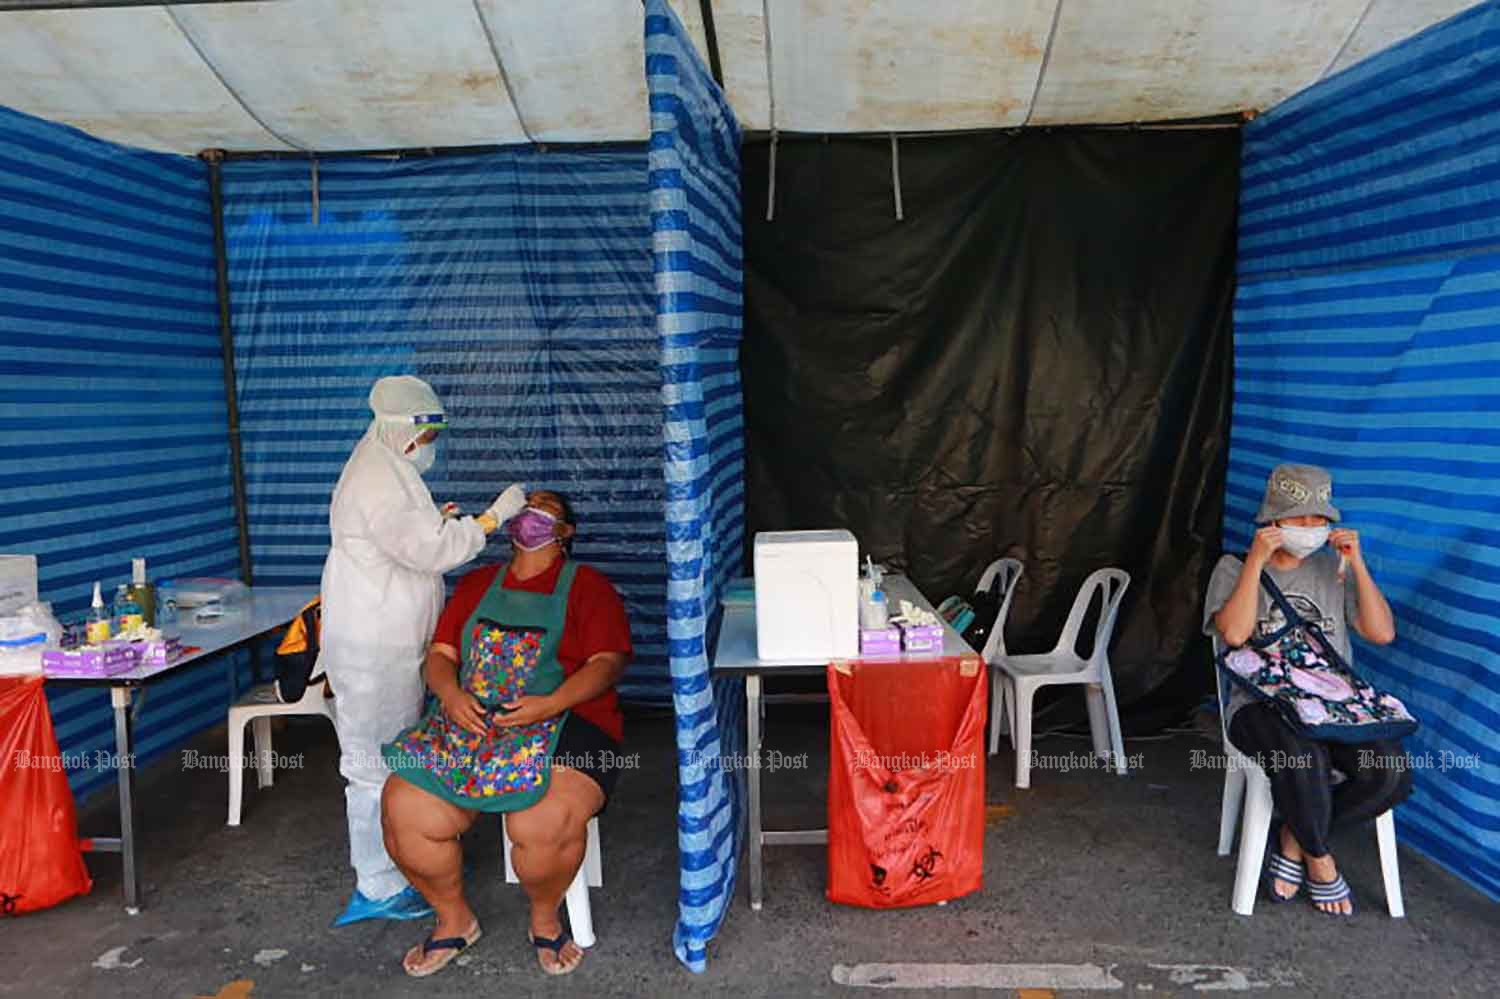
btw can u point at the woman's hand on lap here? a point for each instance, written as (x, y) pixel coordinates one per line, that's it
(464, 709)
(527, 710)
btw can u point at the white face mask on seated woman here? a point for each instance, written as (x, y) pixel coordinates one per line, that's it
(1300, 542)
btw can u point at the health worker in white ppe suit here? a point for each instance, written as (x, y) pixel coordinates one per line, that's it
(382, 591)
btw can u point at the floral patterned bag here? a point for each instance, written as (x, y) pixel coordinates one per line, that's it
(1297, 669)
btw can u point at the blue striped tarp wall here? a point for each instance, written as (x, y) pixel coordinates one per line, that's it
(1367, 340)
(518, 284)
(695, 220)
(113, 439)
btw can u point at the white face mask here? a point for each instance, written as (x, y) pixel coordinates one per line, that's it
(1300, 542)
(423, 455)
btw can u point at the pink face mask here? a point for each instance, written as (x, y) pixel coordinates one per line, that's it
(532, 529)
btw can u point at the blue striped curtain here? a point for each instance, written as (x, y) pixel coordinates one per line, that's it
(695, 220)
(1367, 340)
(518, 284)
(113, 440)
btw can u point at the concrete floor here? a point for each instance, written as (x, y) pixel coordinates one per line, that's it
(1085, 868)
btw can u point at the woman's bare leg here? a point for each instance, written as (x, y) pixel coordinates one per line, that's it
(547, 846)
(422, 836)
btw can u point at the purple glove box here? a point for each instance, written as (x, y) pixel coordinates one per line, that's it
(879, 642)
(161, 653)
(922, 637)
(90, 660)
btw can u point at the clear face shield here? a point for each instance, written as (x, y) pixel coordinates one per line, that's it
(414, 438)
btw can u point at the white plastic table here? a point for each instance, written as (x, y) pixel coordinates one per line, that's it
(735, 654)
(268, 608)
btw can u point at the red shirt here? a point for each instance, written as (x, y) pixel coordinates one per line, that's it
(595, 623)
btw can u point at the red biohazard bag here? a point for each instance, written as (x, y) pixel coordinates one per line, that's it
(905, 781)
(40, 862)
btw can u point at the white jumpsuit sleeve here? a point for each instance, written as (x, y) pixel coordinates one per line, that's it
(423, 541)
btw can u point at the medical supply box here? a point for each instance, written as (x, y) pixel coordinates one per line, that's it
(923, 638)
(880, 641)
(806, 596)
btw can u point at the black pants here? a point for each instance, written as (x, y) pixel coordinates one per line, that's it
(1300, 769)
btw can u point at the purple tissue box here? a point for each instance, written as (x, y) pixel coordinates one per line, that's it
(879, 642)
(91, 660)
(922, 637)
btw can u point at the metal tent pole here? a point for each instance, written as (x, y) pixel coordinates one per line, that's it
(214, 158)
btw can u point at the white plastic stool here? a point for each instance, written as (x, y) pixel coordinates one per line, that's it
(590, 875)
(1246, 784)
(258, 708)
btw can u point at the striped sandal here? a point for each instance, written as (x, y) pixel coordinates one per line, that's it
(1330, 893)
(1282, 868)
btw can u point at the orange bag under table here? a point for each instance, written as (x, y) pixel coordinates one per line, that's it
(906, 781)
(40, 861)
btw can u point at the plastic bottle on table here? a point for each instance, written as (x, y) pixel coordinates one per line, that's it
(98, 626)
(142, 592)
(128, 617)
(166, 609)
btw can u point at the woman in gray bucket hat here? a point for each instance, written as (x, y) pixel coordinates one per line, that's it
(1323, 574)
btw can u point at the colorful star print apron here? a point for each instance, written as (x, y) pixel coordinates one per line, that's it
(509, 649)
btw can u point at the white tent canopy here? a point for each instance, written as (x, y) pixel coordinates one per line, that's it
(390, 74)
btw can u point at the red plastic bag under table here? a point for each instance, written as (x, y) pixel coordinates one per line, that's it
(40, 862)
(905, 781)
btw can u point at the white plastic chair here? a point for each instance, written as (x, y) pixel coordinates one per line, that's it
(258, 708)
(1245, 783)
(590, 875)
(1009, 571)
(1023, 675)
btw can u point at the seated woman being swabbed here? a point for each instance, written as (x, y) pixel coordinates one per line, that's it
(522, 670)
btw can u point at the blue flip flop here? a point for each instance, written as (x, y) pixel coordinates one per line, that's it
(1282, 868)
(555, 945)
(1327, 892)
(453, 945)
(407, 903)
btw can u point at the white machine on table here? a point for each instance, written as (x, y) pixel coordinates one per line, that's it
(806, 595)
